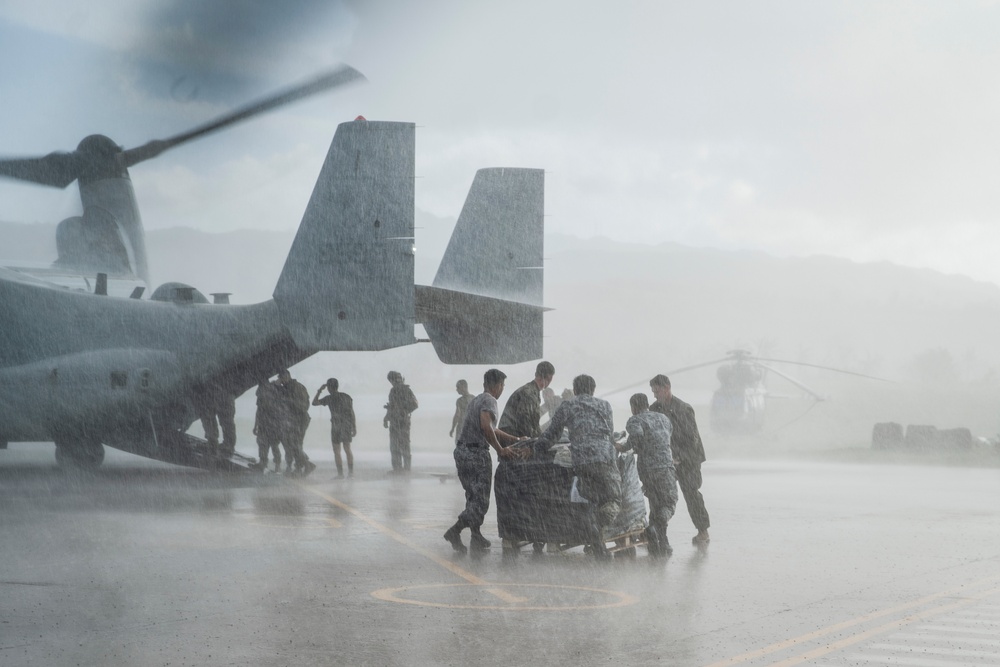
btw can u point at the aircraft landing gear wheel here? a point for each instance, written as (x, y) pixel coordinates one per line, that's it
(80, 455)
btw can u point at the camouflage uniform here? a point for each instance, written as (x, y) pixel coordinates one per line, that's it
(649, 435)
(690, 454)
(591, 424)
(343, 426)
(473, 461)
(397, 415)
(295, 400)
(267, 426)
(522, 415)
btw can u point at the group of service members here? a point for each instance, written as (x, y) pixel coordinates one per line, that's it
(663, 435)
(283, 417)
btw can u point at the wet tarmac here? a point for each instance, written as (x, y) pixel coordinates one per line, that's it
(810, 563)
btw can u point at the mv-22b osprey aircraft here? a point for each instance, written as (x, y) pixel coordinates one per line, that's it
(87, 370)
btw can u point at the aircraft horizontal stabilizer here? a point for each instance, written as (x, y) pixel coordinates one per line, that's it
(486, 302)
(472, 329)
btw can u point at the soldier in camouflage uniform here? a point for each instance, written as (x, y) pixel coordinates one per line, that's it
(473, 461)
(689, 452)
(267, 425)
(397, 419)
(649, 436)
(461, 407)
(591, 424)
(522, 415)
(343, 425)
(295, 399)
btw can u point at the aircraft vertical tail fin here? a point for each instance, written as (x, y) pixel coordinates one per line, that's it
(347, 283)
(485, 305)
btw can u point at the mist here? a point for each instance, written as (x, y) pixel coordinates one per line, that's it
(625, 312)
(808, 183)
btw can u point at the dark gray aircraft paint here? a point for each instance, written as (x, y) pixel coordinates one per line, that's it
(86, 370)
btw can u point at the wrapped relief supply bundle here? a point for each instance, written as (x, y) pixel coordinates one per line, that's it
(535, 500)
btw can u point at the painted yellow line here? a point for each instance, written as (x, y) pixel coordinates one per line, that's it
(795, 641)
(443, 562)
(887, 627)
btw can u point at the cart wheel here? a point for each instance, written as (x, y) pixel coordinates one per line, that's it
(539, 547)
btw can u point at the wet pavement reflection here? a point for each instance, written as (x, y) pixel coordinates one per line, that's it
(810, 563)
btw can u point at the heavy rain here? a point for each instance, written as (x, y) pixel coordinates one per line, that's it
(784, 207)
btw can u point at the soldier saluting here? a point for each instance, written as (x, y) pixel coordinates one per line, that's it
(343, 426)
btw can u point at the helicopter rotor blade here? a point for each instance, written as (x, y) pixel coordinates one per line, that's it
(55, 169)
(60, 169)
(798, 384)
(332, 79)
(825, 368)
(672, 372)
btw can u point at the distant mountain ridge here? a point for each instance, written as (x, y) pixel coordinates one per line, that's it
(686, 303)
(623, 312)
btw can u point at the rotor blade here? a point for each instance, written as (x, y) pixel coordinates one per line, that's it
(673, 372)
(55, 169)
(793, 381)
(825, 368)
(333, 79)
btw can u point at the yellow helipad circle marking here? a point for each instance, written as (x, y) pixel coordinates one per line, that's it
(516, 603)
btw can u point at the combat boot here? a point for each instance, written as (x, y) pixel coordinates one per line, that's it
(665, 548)
(600, 551)
(308, 468)
(597, 546)
(454, 535)
(477, 541)
(653, 541)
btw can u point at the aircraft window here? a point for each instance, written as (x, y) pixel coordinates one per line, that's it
(119, 378)
(144, 376)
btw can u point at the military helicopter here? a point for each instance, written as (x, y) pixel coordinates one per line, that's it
(87, 369)
(739, 404)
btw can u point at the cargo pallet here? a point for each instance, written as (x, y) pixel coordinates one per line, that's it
(621, 545)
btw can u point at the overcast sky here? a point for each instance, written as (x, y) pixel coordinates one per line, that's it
(857, 129)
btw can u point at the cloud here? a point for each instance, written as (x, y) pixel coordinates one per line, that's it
(849, 127)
